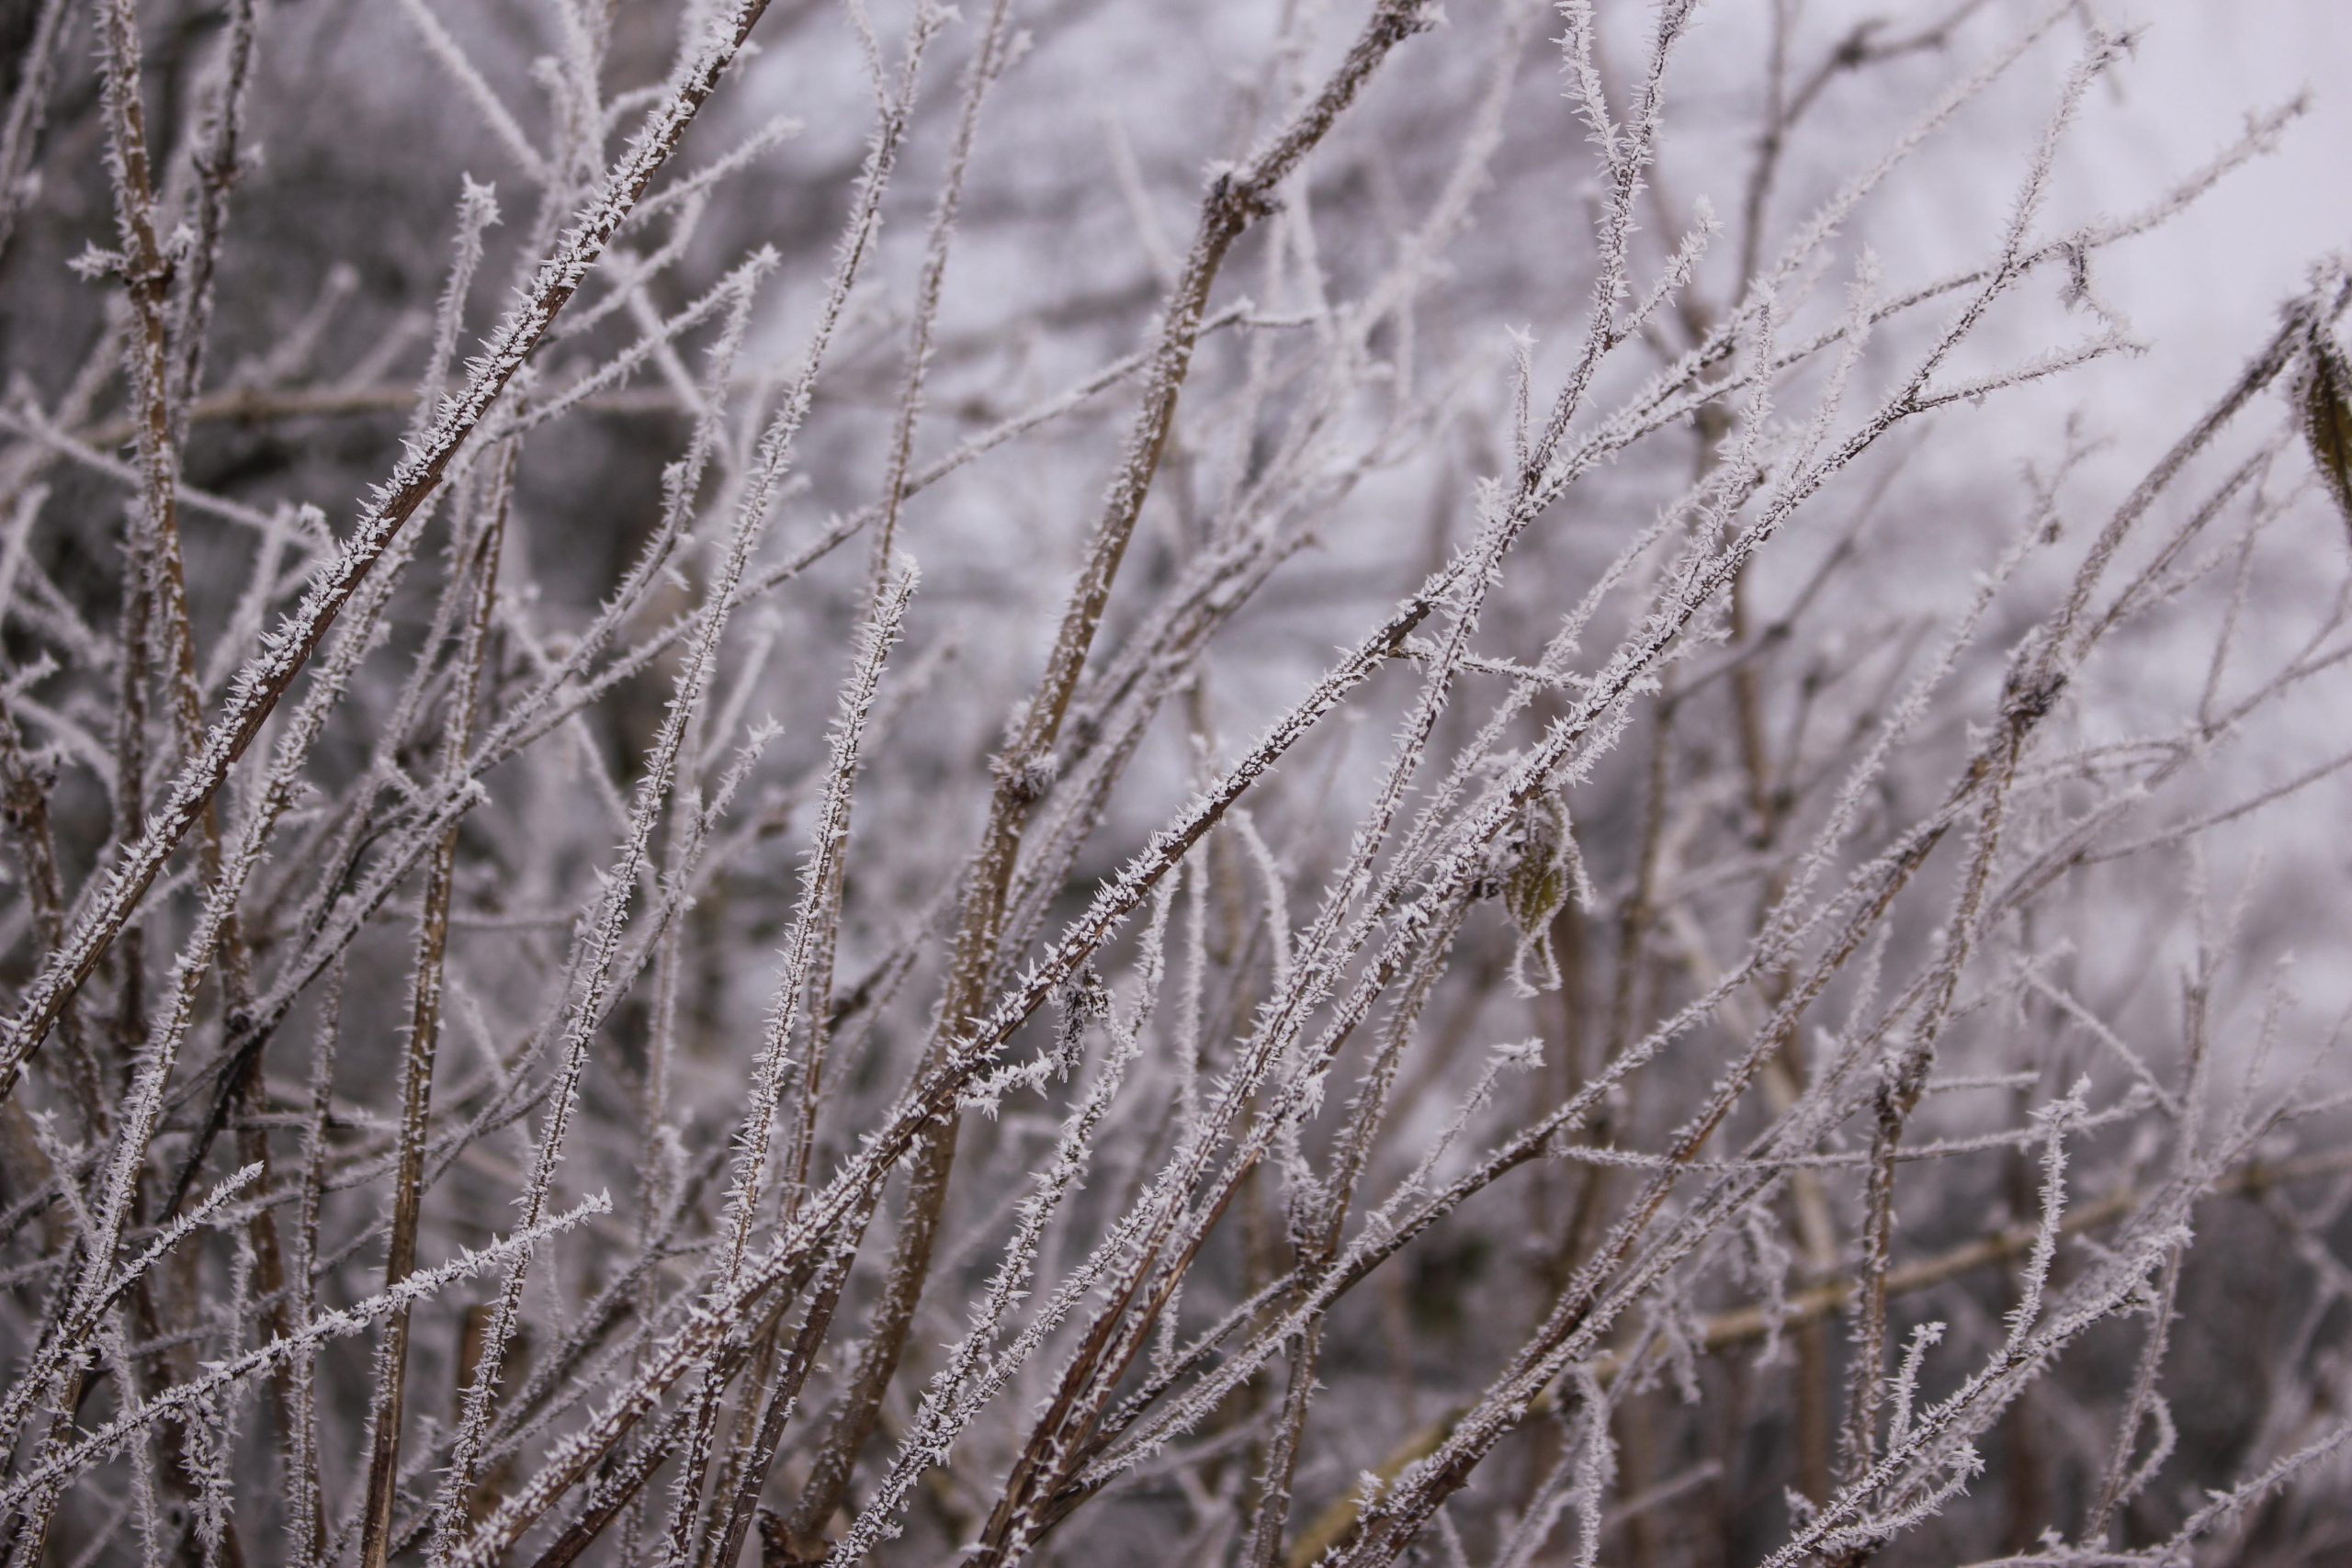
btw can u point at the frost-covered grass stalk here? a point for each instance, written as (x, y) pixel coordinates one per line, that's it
(1563, 856)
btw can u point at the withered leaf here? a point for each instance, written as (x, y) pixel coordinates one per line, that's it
(2327, 417)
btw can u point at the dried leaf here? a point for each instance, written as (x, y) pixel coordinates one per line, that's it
(2327, 417)
(1535, 890)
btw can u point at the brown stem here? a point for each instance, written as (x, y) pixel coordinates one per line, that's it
(480, 565)
(1236, 199)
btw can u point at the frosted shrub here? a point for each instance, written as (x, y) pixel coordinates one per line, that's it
(771, 796)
